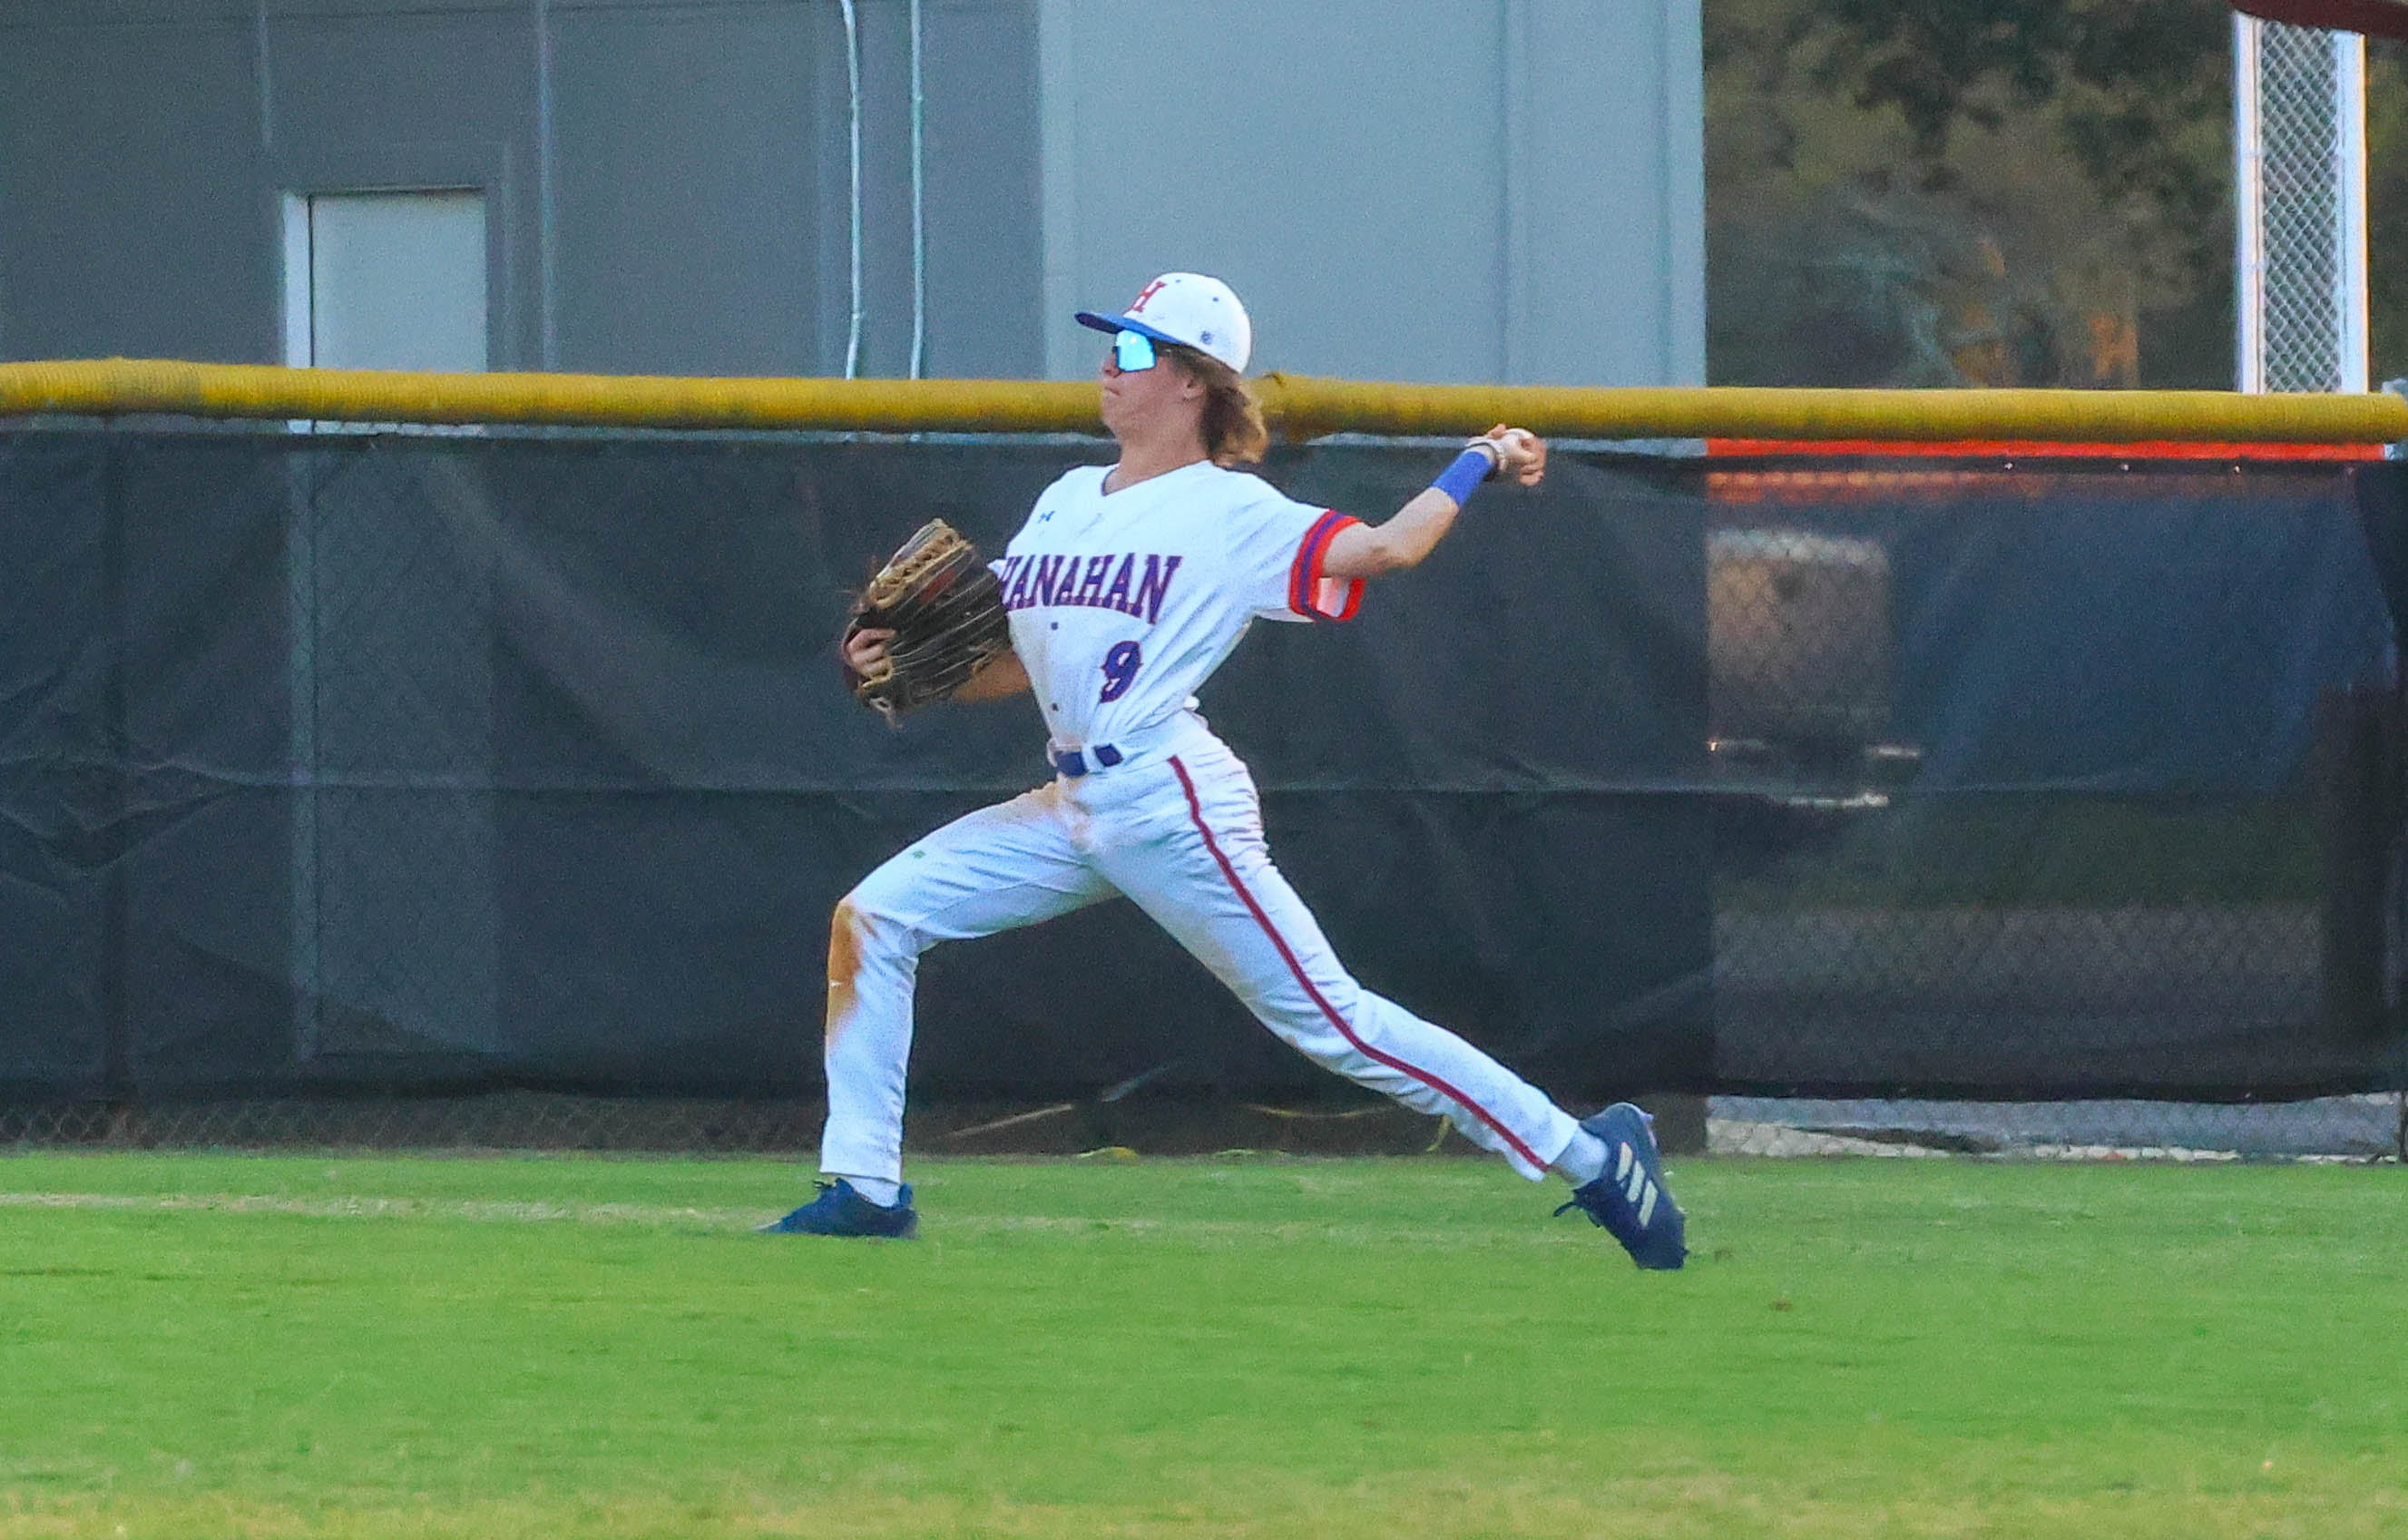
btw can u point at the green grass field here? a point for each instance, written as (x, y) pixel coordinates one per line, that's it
(302, 1346)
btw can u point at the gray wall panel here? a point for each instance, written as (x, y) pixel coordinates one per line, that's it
(886, 177)
(1608, 192)
(1401, 189)
(421, 101)
(980, 210)
(688, 198)
(985, 238)
(1351, 193)
(40, 14)
(130, 220)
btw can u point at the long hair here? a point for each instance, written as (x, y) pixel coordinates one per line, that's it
(1234, 432)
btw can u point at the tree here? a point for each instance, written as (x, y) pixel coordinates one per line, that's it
(2387, 156)
(1968, 192)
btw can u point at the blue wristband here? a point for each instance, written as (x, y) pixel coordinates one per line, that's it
(1471, 467)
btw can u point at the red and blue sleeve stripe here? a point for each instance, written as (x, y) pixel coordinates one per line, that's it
(1306, 580)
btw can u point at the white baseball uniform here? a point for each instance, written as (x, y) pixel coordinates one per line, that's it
(1122, 605)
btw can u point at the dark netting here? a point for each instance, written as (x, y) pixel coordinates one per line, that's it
(408, 788)
(2046, 781)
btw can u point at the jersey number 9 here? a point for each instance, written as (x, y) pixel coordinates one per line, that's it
(1120, 670)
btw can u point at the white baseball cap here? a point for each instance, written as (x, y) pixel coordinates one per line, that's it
(1190, 309)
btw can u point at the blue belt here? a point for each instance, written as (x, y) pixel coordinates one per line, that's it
(1073, 762)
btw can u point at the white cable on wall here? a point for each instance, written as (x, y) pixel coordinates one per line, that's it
(546, 201)
(852, 83)
(262, 78)
(919, 205)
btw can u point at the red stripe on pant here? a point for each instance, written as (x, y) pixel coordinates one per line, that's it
(1196, 811)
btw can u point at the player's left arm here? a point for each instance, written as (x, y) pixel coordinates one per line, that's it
(1371, 551)
(999, 678)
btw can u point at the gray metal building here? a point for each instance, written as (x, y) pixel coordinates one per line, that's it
(1440, 190)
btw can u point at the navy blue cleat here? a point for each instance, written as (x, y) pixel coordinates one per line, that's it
(841, 1211)
(1631, 1200)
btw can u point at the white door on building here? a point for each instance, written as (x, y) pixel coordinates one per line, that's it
(385, 280)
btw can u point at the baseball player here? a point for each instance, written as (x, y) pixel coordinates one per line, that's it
(1126, 587)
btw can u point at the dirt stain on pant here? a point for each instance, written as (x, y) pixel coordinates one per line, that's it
(843, 966)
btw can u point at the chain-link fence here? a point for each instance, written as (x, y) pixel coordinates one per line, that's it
(2302, 195)
(2369, 1127)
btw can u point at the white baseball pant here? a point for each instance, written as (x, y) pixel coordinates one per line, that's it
(1178, 830)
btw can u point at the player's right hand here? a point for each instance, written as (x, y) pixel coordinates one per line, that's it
(1521, 454)
(863, 649)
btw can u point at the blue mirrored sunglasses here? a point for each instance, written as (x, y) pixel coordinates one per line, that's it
(1132, 352)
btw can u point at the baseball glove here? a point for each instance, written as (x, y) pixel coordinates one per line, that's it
(946, 612)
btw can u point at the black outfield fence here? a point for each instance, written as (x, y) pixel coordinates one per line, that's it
(383, 770)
